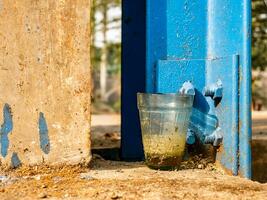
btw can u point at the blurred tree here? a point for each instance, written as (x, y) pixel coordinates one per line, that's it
(258, 97)
(105, 57)
(259, 51)
(104, 52)
(259, 34)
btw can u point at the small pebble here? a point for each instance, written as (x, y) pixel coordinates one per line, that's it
(37, 177)
(115, 196)
(2, 190)
(4, 178)
(42, 195)
(86, 177)
(8, 180)
(200, 166)
(57, 179)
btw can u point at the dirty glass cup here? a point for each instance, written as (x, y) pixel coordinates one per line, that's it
(164, 122)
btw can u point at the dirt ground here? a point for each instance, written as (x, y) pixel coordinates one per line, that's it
(259, 146)
(259, 123)
(121, 180)
(106, 131)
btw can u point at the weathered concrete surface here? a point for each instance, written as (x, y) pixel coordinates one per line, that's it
(44, 81)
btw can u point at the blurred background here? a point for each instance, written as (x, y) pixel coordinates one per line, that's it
(259, 55)
(106, 55)
(106, 76)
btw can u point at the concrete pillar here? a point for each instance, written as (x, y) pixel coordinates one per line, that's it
(44, 82)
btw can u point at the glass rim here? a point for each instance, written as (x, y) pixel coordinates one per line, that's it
(165, 94)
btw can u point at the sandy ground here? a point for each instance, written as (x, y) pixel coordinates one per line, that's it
(259, 146)
(106, 131)
(259, 124)
(121, 180)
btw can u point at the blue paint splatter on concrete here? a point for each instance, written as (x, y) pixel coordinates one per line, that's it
(6, 128)
(43, 133)
(15, 161)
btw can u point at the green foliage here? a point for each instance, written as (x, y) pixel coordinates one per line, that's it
(113, 59)
(259, 49)
(259, 42)
(106, 57)
(259, 34)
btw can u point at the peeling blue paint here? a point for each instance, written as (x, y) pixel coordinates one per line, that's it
(43, 133)
(15, 161)
(6, 128)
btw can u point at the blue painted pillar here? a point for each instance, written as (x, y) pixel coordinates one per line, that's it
(200, 41)
(230, 33)
(203, 42)
(133, 76)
